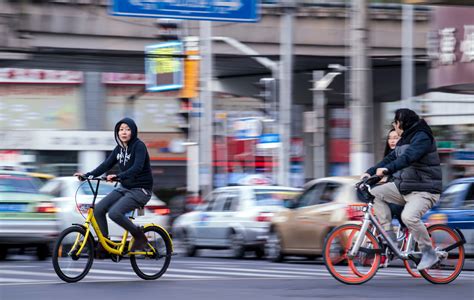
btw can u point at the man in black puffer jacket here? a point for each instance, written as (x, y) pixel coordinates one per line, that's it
(417, 180)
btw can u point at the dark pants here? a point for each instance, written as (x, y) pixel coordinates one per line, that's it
(117, 203)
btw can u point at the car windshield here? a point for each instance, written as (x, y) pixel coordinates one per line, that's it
(265, 197)
(104, 189)
(17, 184)
(448, 196)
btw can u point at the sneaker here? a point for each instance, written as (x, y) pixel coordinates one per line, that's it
(139, 242)
(428, 259)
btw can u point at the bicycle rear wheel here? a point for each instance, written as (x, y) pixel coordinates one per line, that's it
(358, 269)
(155, 263)
(448, 241)
(68, 264)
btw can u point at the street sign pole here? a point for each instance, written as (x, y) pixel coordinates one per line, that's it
(286, 72)
(205, 97)
(362, 131)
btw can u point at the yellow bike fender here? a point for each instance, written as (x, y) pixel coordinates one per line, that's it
(166, 231)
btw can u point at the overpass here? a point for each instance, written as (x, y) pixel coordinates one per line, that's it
(80, 35)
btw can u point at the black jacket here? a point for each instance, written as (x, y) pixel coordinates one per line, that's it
(133, 160)
(414, 162)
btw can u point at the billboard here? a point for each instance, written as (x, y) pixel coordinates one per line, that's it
(164, 66)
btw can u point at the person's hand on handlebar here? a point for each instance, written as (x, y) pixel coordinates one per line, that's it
(112, 177)
(381, 172)
(80, 176)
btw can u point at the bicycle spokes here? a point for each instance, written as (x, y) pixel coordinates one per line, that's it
(450, 250)
(73, 254)
(347, 268)
(154, 260)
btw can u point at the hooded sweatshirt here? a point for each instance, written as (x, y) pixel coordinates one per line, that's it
(133, 160)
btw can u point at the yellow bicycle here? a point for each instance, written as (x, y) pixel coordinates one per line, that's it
(73, 252)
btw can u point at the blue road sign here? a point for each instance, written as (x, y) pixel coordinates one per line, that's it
(269, 138)
(210, 10)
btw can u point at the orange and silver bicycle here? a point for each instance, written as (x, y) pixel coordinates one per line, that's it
(73, 252)
(353, 252)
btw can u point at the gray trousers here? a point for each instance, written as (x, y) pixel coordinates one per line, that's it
(416, 205)
(117, 203)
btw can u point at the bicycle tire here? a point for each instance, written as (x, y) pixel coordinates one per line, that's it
(161, 235)
(340, 266)
(433, 274)
(63, 259)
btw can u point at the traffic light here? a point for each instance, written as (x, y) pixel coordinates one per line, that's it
(268, 92)
(185, 109)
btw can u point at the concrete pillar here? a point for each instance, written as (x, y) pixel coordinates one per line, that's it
(93, 117)
(89, 160)
(94, 101)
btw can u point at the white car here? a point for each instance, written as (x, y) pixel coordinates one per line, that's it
(236, 217)
(73, 208)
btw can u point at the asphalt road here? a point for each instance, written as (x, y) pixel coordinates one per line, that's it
(215, 276)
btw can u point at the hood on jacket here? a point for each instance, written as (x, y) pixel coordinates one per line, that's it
(132, 126)
(421, 125)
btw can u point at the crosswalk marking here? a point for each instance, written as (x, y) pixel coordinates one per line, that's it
(269, 271)
(27, 273)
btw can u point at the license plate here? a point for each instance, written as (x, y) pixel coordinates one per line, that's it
(12, 207)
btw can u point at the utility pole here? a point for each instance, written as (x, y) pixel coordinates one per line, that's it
(407, 56)
(362, 131)
(286, 74)
(206, 140)
(319, 134)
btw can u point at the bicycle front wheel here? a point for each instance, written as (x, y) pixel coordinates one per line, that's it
(155, 263)
(71, 263)
(351, 270)
(447, 243)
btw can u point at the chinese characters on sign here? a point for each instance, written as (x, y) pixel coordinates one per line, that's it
(16, 75)
(442, 45)
(447, 45)
(467, 46)
(164, 66)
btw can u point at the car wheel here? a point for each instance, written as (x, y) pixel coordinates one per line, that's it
(273, 248)
(42, 251)
(260, 253)
(188, 245)
(237, 244)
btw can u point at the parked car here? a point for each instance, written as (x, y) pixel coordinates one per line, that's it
(74, 199)
(235, 217)
(27, 218)
(456, 209)
(301, 231)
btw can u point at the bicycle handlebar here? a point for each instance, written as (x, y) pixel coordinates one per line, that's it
(100, 178)
(372, 180)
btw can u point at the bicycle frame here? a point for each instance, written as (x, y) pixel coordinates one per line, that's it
(369, 218)
(90, 220)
